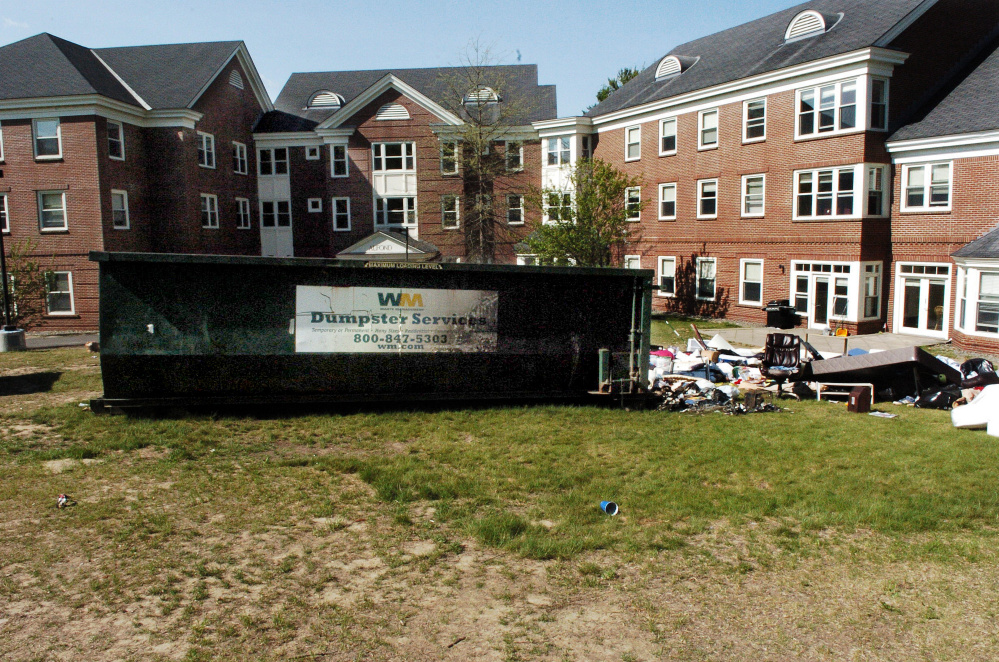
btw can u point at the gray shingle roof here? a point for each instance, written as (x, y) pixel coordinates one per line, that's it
(970, 107)
(169, 75)
(986, 246)
(518, 85)
(47, 66)
(758, 47)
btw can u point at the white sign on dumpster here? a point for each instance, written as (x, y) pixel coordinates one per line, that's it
(393, 320)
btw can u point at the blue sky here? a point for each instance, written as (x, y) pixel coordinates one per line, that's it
(576, 45)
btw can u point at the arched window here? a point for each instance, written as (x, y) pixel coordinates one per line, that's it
(810, 23)
(674, 65)
(325, 99)
(480, 96)
(392, 111)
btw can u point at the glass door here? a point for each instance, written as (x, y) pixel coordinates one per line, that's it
(820, 304)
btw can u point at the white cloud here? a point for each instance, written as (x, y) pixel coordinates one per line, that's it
(11, 23)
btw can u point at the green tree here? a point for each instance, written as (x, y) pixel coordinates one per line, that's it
(615, 83)
(27, 286)
(589, 225)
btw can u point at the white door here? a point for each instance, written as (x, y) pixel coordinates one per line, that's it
(923, 304)
(276, 237)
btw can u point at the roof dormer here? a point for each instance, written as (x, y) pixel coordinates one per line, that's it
(479, 96)
(325, 99)
(674, 65)
(810, 23)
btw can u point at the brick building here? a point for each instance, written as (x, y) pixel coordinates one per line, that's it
(144, 148)
(761, 152)
(945, 219)
(364, 163)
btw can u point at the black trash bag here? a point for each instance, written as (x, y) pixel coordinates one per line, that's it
(802, 390)
(942, 397)
(978, 372)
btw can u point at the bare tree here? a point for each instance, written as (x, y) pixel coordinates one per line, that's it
(486, 149)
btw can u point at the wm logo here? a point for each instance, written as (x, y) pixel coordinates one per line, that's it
(400, 300)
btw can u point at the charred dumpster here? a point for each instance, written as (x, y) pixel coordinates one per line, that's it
(209, 329)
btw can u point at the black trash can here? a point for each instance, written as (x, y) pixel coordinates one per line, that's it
(781, 314)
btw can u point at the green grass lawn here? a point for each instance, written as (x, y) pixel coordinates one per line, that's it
(675, 329)
(166, 506)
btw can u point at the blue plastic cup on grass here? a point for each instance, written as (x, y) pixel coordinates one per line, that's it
(609, 507)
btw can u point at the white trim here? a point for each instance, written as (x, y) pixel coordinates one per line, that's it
(662, 124)
(124, 199)
(746, 140)
(669, 66)
(700, 192)
(72, 298)
(274, 162)
(659, 275)
(240, 155)
(334, 161)
(701, 145)
(240, 207)
(5, 216)
(520, 207)
(927, 188)
(900, 278)
(697, 278)
(860, 103)
(65, 212)
(627, 201)
(1, 142)
(628, 142)
(315, 205)
(870, 103)
(520, 150)
(904, 24)
(457, 211)
(560, 125)
(743, 196)
(859, 193)
(288, 139)
(629, 258)
(392, 111)
(135, 95)
(812, 17)
(333, 202)
(966, 268)
(203, 143)
(312, 157)
(374, 91)
(121, 140)
(454, 157)
(242, 55)
(781, 80)
(213, 207)
(34, 138)
(965, 145)
(742, 280)
(659, 201)
(95, 104)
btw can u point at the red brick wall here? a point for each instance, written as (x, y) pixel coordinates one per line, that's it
(76, 173)
(775, 238)
(314, 236)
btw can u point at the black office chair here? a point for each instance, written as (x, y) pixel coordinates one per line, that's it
(782, 358)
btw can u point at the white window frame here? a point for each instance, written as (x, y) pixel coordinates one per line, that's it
(35, 138)
(273, 162)
(743, 263)
(559, 149)
(244, 220)
(65, 215)
(240, 163)
(511, 147)
(633, 204)
(565, 200)
(927, 168)
(456, 201)
(633, 138)
(407, 156)
(629, 259)
(409, 211)
(702, 129)
(669, 121)
(4, 214)
(662, 189)
(121, 140)
(859, 193)
(1, 142)
(275, 213)
(697, 278)
(72, 299)
(660, 261)
(882, 183)
(520, 207)
(453, 145)
(334, 160)
(124, 200)
(969, 298)
(745, 121)
(206, 150)
(337, 213)
(315, 205)
(859, 118)
(212, 209)
(312, 152)
(586, 147)
(868, 271)
(870, 102)
(744, 197)
(700, 197)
